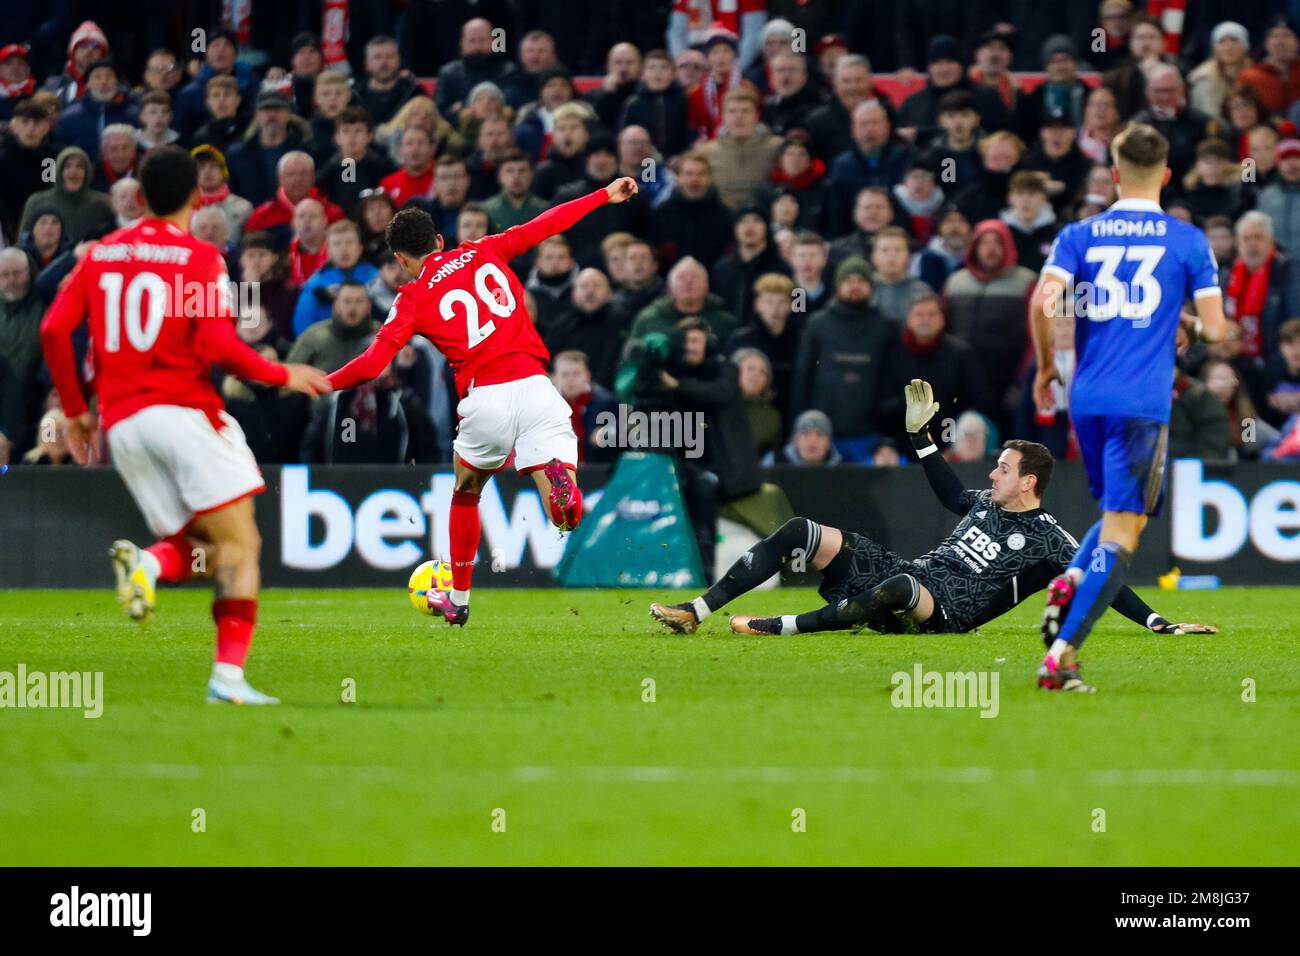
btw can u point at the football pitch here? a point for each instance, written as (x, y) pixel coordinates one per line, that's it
(562, 727)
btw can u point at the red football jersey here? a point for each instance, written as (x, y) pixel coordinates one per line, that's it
(468, 303)
(160, 314)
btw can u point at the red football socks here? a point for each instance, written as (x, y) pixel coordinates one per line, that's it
(463, 529)
(236, 618)
(173, 556)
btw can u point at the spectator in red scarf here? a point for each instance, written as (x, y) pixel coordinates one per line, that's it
(307, 248)
(87, 45)
(297, 176)
(118, 156)
(214, 190)
(704, 105)
(1263, 287)
(16, 80)
(992, 67)
(929, 352)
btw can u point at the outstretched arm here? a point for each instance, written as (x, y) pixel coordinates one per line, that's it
(517, 240)
(921, 407)
(1139, 612)
(216, 342)
(366, 366)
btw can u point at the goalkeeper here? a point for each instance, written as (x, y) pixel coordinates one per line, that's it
(1005, 548)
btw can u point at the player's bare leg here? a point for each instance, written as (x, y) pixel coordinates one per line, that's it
(463, 530)
(898, 602)
(138, 571)
(799, 544)
(557, 483)
(1081, 595)
(233, 557)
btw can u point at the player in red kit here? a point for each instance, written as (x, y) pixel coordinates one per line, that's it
(468, 303)
(158, 301)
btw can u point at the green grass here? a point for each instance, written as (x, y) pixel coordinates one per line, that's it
(537, 708)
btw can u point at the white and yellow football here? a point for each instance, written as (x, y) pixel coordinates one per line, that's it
(432, 575)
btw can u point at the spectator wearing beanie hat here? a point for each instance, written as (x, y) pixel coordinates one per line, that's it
(1212, 81)
(1063, 93)
(16, 81)
(918, 117)
(87, 45)
(812, 443)
(843, 359)
(214, 190)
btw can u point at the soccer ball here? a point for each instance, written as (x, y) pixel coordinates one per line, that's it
(432, 575)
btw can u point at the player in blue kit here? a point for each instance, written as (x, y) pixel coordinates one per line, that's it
(1126, 273)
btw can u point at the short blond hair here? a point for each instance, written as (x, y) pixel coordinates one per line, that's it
(330, 78)
(773, 283)
(1141, 148)
(1001, 136)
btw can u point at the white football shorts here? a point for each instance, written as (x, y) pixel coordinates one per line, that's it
(177, 466)
(528, 416)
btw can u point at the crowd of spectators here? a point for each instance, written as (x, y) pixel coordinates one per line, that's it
(809, 234)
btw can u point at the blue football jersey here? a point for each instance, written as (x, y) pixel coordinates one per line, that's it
(1132, 268)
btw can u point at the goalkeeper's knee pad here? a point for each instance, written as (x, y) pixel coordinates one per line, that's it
(798, 537)
(891, 597)
(899, 593)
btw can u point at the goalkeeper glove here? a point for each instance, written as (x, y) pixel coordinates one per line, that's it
(921, 407)
(1161, 626)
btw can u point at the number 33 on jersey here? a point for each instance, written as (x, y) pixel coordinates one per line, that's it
(1128, 272)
